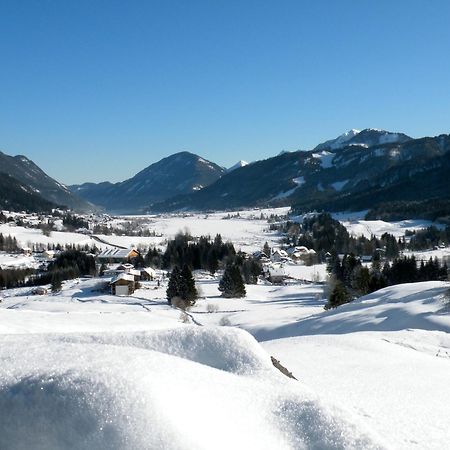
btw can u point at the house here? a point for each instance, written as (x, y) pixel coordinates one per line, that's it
(278, 254)
(27, 251)
(148, 274)
(123, 284)
(119, 255)
(276, 273)
(49, 254)
(40, 290)
(135, 272)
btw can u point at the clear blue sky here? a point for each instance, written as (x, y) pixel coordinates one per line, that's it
(95, 90)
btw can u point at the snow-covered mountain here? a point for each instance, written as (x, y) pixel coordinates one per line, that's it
(365, 138)
(29, 174)
(181, 173)
(16, 196)
(239, 164)
(369, 167)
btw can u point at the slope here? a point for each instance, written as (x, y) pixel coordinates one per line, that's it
(354, 177)
(29, 174)
(15, 196)
(180, 173)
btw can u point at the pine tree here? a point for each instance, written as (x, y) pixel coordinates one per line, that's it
(187, 292)
(56, 281)
(182, 285)
(339, 296)
(231, 284)
(173, 287)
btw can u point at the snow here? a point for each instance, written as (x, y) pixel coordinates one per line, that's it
(85, 369)
(238, 165)
(368, 228)
(284, 194)
(174, 389)
(299, 181)
(16, 261)
(326, 159)
(338, 185)
(385, 357)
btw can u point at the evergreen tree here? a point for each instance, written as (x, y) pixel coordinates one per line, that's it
(187, 291)
(173, 287)
(56, 281)
(182, 285)
(231, 284)
(339, 296)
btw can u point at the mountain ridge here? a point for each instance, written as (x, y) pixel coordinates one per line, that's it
(26, 172)
(180, 173)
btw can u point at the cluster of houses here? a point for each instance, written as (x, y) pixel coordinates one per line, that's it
(125, 277)
(273, 264)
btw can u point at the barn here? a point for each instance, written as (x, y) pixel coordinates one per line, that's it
(122, 284)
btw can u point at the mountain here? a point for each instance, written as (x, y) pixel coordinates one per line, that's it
(365, 138)
(27, 173)
(15, 196)
(181, 173)
(370, 168)
(239, 164)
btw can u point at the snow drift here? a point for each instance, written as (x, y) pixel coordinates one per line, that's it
(184, 388)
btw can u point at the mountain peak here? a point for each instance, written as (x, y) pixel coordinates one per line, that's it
(240, 163)
(365, 138)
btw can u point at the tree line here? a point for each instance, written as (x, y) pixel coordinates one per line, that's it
(350, 279)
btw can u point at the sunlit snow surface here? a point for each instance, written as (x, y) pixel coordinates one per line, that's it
(186, 388)
(82, 369)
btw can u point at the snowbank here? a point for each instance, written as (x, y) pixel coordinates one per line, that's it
(146, 390)
(400, 307)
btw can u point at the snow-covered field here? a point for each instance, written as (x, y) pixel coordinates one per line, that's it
(368, 228)
(85, 369)
(248, 231)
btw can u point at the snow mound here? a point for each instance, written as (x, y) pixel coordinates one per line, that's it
(229, 349)
(116, 392)
(418, 306)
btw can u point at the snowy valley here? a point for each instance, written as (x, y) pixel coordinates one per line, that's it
(82, 368)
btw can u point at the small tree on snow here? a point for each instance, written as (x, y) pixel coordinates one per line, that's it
(231, 284)
(182, 286)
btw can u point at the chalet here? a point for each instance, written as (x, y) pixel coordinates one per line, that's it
(148, 274)
(112, 272)
(123, 284)
(278, 255)
(119, 255)
(40, 290)
(26, 251)
(49, 254)
(276, 273)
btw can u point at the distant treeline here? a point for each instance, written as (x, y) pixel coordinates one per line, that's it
(434, 210)
(324, 234)
(67, 265)
(351, 279)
